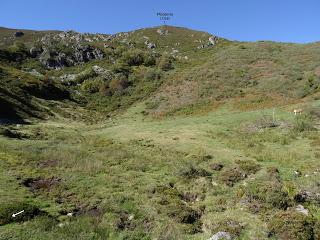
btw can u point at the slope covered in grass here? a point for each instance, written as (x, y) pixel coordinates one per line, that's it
(157, 133)
(180, 178)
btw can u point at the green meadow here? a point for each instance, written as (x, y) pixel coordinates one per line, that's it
(178, 177)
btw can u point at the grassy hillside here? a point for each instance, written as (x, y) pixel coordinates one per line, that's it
(158, 134)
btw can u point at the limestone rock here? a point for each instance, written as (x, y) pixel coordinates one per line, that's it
(213, 40)
(162, 31)
(221, 236)
(151, 45)
(302, 210)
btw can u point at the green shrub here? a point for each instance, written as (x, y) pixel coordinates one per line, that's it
(7, 132)
(228, 225)
(268, 193)
(133, 57)
(89, 73)
(231, 176)
(291, 225)
(314, 112)
(150, 60)
(118, 84)
(92, 85)
(303, 123)
(7, 209)
(165, 63)
(193, 172)
(152, 75)
(248, 166)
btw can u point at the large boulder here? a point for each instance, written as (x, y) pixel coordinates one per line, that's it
(213, 40)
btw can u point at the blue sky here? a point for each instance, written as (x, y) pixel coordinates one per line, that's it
(246, 20)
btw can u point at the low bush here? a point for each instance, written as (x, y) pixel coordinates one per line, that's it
(303, 123)
(7, 209)
(248, 166)
(92, 85)
(166, 63)
(227, 225)
(231, 176)
(291, 225)
(132, 57)
(89, 73)
(193, 172)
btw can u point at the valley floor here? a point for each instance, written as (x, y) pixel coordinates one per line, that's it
(184, 177)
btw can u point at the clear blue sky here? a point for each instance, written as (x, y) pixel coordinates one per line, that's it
(247, 20)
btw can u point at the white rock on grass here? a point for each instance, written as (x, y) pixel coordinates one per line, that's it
(221, 236)
(302, 210)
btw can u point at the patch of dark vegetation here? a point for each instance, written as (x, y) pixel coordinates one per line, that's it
(131, 227)
(266, 193)
(38, 134)
(265, 122)
(47, 90)
(41, 184)
(166, 193)
(183, 213)
(248, 166)
(193, 172)
(303, 123)
(52, 162)
(292, 225)
(10, 133)
(308, 196)
(124, 221)
(314, 112)
(216, 166)
(233, 227)
(7, 209)
(232, 175)
(180, 211)
(190, 197)
(83, 210)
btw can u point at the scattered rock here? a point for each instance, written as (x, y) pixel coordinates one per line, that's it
(213, 40)
(297, 173)
(151, 45)
(220, 236)
(162, 32)
(302, 210)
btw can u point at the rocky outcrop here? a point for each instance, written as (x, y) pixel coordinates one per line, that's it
(151, 45)
(213, 40)
(52, 58)
(162, 31)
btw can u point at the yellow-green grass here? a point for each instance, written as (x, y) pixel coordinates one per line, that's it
(135, 165)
